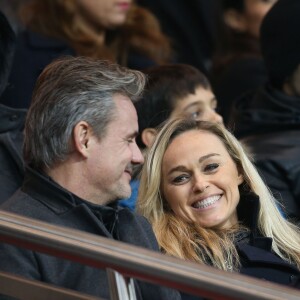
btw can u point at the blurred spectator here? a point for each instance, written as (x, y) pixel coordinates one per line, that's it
(191, 26)
(174, 90)
(238, 66)
(10, 9)
(107, 29)
(11, 121)
(268, 120)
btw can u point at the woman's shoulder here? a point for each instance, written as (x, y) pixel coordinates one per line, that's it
(264, 264)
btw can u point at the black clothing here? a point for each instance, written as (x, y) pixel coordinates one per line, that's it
(237, 78)
(191, 27)
(43, 199)
(33, 53)
(11, 160)
(268, 123)
(256, 256)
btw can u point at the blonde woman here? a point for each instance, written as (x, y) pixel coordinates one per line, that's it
(208, 204)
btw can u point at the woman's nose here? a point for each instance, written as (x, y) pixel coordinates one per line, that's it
(200, 185)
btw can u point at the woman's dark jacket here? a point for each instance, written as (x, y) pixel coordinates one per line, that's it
(268, 123)
(11, 159)
(254, 250)
(256, 256)
(41, 198)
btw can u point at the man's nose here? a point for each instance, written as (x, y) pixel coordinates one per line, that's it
(137, 156)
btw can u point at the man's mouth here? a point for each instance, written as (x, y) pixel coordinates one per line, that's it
(129, 171)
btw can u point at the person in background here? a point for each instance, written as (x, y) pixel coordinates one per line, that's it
(171, 90)
(208, 204)
(79, 151)
(11, 121)
(10, 9)
(237, 63)
(191, 28)
(267, 119)
(174, 90)
(114, 30)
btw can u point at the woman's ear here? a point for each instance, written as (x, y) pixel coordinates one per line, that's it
(240, 178)
(235, 20)
(148, 135)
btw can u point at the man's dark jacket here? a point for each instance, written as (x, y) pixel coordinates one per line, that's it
(11, 160)
(41, 198)
(268, 123)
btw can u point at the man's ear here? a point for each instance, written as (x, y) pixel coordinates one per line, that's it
(148, 135)
(82, 134)
(235, 20)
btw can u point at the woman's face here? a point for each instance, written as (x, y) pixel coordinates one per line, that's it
(106, 13)
(200, 180)
(254, 12)
(199, 106)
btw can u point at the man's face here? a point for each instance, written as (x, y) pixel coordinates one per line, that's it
(110, 165)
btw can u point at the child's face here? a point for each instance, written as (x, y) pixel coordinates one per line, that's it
(199, 106)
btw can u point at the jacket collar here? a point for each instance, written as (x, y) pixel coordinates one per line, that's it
(41, 187)
(248, 211)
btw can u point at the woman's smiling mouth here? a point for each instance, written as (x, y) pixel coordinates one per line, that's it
(206, 202)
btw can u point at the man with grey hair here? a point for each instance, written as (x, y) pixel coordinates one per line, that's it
(79, 150)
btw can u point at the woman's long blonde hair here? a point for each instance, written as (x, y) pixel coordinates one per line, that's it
(63, 19)
(192, 242)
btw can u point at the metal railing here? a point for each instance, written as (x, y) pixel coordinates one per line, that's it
(135, 262)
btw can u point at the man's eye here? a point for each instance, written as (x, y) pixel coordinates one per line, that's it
(211, 167)
(180, 178)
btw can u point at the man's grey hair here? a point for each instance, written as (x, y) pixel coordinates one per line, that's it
(70, 90)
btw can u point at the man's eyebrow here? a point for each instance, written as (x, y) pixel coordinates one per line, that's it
(133, 134)
(182, 168)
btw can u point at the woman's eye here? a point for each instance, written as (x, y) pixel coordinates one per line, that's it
(211, 167)
(180, 179)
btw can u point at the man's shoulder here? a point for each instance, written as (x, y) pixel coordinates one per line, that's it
(21, 203)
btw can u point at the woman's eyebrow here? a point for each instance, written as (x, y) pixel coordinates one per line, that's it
(182, 168)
